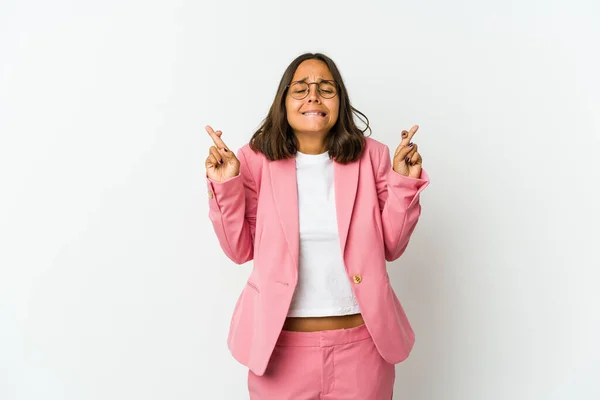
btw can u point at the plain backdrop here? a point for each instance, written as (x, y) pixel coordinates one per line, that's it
(112, 282)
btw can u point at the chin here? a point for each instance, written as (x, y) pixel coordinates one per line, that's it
(312, 130)
(311, 127)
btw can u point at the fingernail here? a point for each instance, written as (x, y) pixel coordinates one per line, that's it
(220, 161)
(404, 133)
(225, 149)
(410, 144)
(407, 159)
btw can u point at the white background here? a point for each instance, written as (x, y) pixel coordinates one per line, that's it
(112, 284)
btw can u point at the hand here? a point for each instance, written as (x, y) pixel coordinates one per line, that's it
(407, 160)
(221, 163)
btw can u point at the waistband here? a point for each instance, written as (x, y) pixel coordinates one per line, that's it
(323, 338)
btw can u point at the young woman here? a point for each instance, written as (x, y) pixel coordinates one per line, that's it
(319, 209)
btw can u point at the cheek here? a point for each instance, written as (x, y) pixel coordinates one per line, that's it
(335, 112)
(286, 108)
(291, 108)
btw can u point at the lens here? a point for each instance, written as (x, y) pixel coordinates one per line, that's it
(299, 90)
(327, 89)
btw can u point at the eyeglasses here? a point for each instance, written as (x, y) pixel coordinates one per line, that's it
(300, 89)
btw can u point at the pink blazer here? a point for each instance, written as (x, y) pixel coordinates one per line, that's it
(255, 217)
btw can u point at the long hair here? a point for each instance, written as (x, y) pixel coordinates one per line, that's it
(274, 138)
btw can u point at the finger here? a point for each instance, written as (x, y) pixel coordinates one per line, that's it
(407, 136)
(211, 162)
(415, 159)
(216, 137)
(226, 154)
(406, 151)
(409, 156)
(215, 153)
(402, 147)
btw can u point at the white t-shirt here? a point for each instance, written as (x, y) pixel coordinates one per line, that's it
(323, 287)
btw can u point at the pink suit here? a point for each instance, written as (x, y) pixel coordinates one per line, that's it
(255, 217)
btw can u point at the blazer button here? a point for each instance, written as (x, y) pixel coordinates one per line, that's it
(210, 195)
(357, 278)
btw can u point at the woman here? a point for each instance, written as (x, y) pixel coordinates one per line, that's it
(319, 209)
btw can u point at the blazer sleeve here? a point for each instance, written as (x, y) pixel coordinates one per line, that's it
(232, 211)
(399, 204)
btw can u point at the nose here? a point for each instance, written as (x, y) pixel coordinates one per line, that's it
(313, 95)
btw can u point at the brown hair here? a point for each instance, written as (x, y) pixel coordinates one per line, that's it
(345, 142)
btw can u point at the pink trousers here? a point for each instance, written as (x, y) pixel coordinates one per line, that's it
(326, 365)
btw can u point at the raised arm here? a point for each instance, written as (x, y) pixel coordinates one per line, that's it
(232, 200)
(398, 189)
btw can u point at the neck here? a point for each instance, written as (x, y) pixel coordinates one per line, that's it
(311, 144)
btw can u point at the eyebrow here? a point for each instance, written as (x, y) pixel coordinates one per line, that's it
(306, 78)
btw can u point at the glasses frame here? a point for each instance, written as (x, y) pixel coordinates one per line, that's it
(337, 89)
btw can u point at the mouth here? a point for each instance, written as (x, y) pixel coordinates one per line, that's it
(314, 114)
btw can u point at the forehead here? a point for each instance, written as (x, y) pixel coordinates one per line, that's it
(312, 69)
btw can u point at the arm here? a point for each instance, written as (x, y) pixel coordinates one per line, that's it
(399, 204)
(232, 211)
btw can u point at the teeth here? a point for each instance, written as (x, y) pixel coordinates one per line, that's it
(315, 113)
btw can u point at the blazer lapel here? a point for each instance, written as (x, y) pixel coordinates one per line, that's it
(346, 183)
(285, 194)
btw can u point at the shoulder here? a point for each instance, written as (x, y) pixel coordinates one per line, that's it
(253, 158)
(374, 144)
(252, 162)
(375, 149)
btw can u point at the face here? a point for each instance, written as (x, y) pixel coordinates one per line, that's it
(313, 115)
